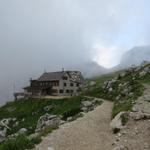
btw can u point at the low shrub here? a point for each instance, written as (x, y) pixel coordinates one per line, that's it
(71, 113)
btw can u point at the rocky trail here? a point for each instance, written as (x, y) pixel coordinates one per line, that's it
(91, 132)
(136, 134)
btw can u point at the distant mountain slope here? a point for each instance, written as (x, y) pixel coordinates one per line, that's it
(135, 56)
(91, 69)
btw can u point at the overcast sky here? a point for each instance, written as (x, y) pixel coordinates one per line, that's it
(38, 35)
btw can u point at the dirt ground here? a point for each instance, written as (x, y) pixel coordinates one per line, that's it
(91, 132)
(136, 135)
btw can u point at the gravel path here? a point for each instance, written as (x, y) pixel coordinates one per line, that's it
(136, 134)
(91, 132)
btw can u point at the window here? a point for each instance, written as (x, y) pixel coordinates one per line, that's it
(58, 83)
(65, 84)
(78, 90)
(71, 84)
(61, 91)
(67, 91)
(77, 84)
(55, 83)
(71, 91)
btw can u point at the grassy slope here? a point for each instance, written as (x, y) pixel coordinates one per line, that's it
(101, 79)
(19, 143)
(28, 111)
(124, 103)
(24, 109)
(145, 80)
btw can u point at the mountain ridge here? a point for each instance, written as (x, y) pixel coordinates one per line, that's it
(135, 56)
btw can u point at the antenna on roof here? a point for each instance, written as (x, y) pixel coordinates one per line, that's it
(63, 69)
(44, 70)
(30, 79)
(14, 88)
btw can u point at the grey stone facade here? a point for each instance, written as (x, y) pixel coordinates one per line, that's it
(64, 83)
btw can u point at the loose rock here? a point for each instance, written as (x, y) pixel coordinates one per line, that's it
(48, 120)
(118, 121)
(22, 131)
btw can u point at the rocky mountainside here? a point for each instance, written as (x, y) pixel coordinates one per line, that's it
(129, 90)
(135, 56)
(123, 88)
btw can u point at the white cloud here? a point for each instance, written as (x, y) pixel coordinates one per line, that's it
(107, 56)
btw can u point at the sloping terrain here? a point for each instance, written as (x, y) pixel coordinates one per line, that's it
(135, 56)
(91, 69)
(35, 118)
(136, 134)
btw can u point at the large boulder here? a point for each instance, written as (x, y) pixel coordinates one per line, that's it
(141, 109)
(139, 115)
(69, 119)
(89, 105)
(5, 122)
(119, 121)
(146, 98)
(48, 120)
(23, 131)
